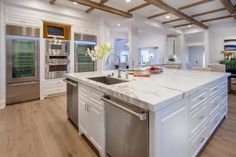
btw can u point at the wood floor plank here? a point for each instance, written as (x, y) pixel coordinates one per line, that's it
(41, 129)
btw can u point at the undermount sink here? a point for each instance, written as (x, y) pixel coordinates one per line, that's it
(107, 80)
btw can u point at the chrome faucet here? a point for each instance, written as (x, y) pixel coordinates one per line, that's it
(119, 69)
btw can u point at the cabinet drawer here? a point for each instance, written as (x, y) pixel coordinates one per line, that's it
(223, 95)
(197, 99)
(91, 94)
(96, 97)
(223, 83)
(213, 89)
(84, 90)
(224, 109)
(198, 117)
(213, 105)
(213, 122)
(197, 142)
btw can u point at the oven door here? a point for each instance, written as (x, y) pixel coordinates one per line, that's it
(57, 48)
(56, 70)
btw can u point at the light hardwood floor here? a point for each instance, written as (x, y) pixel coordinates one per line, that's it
(41, 129)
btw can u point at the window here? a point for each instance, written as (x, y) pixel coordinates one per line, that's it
(148, 56)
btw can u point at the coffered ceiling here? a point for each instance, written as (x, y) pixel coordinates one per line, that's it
(177, 14)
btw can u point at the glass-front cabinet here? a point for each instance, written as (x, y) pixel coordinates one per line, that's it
(83, 62)
(22, 58)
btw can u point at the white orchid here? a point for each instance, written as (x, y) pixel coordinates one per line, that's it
(99, 51)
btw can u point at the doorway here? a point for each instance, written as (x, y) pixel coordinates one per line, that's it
(196, 56)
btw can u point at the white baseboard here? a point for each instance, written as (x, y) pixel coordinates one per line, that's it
(2, 104)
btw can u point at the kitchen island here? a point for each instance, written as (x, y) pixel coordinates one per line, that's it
(184, 108)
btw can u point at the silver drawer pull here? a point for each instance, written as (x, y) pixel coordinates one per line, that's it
(202, 117)
(201, 98)
(215, 89)
(141, 116)
(202, 140)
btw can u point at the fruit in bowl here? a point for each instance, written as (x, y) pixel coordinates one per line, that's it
(155, 70)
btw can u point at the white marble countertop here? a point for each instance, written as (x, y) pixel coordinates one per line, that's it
(152, 93)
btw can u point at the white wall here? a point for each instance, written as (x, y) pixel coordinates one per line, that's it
(32, 13)
(152, 39)
(216, 44)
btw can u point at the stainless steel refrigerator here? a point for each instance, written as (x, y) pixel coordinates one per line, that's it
(22, 64)
(83, 63)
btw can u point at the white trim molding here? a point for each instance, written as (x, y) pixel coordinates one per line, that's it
(2, 104)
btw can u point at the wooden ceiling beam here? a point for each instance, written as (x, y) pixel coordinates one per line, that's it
(176, 12)
(157, 15)
(182, 8)
(195, 4)
(197, 15)
(52, 2)
(174, 20)
(92, 8)
(102, 7)
(138, 7)
(186, 24)
(208, 12)
(207, 20)
(217, 18)
(229, 6)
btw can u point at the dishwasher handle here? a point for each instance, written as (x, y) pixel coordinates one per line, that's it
(71, 83)
(141, 116)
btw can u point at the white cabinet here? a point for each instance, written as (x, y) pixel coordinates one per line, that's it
(91, 116)
(83, 116)
(53, 86)
(172, 130)
(96, 125)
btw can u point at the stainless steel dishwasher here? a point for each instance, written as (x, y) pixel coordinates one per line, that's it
(127, 129)
(72, 101)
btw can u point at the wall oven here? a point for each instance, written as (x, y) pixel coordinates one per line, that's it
(56, 59)
(57, 47)
(56, 69)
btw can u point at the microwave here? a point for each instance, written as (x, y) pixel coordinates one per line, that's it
(57, 48)
(56, 31)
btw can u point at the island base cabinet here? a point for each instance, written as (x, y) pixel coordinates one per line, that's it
(171, 125)
(91, 119)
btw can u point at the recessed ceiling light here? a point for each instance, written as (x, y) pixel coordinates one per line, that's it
(75, 3)
(167, 17)
(118, 24)
(128, 1)
(189, 26)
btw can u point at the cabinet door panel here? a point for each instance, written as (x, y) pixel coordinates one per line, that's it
(83, 116)
(96, 126)
(172, 131)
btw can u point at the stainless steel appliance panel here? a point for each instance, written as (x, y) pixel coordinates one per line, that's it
(22, 31)
(126, 129)
(57, 47)
(22, 64)
(22, 92)
(56, 70)
(72, 101)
